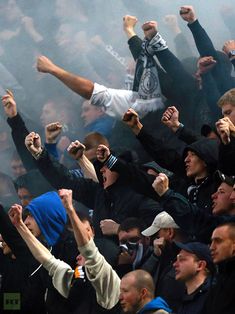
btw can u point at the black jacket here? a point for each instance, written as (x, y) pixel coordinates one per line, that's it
(194, 302)
(190, 218)
(117, 202)
(221, 297)
(163, 273)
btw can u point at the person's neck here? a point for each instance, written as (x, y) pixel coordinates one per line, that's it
(194, 283)
(201, 176)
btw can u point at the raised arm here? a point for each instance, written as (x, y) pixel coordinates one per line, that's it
(102, 276)
(78, 84)
(76, 151)
(58, 175)
(167, 158)
(18, 129)
(61, 272)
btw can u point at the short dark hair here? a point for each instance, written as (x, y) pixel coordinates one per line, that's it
(131, 223)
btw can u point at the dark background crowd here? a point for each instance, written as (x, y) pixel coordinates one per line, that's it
(117, 132)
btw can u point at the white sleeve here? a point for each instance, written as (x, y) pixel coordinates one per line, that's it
(102, 276)
(61, 273)
(115, 101)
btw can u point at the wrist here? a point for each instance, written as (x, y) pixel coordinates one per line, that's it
(137, 128)
(50, 140)
(192, 20)
(37, 154)
(130, 32)
(176, 126)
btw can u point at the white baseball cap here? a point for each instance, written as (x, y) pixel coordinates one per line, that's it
(162, 220)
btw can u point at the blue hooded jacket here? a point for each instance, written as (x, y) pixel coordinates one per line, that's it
(50, 215)
(156, 304)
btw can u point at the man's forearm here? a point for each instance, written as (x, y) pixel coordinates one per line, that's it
(87, 168)
(78, 84)
(80, 232)
(39, 251)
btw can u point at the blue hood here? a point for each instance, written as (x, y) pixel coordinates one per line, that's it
(156, 304)
(50, 215)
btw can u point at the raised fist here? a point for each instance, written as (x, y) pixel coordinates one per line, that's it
(129, 21)
(45, 65)
(52, 131)
(205, 64)
(150, 29)
(102, 153)
(171, 118)
(171, 21)
(15, 215)
(188, 14)
(131, 118)
(67, 199)
(9, 104)
(161, 184)
(224, 128)
(228, 46)
(33, 143)
(76, 150)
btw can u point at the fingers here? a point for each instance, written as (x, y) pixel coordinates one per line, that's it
(129, 114)
(168, 113)
(75, 146)
(54, 126)
(102, 152)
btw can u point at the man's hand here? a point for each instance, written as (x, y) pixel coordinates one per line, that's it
(102, 153)
(171, 118)
(15, 215)
(33, 143)
(224, 128)
(76, 150)
(161, 184)
(125, 258)
(131, 118)
(205, 64)
(45, 65)
(52, 131)
(171, 21)
(228, 46)
(129, 23)
(158, 246)
(188, 14)
(109, 227)
(67, 199)
(9, 104)
(150, 29)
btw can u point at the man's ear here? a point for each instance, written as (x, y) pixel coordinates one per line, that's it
(144, 293)
(201, 265)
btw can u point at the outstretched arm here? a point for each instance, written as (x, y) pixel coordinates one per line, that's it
(78, 84)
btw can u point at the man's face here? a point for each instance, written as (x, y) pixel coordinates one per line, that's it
(32, 225)
(186, 266)
(229, 111)
(17, 167)
(49, 114)
(194, 166)
(90, 113)
(130, 297)
(222, 244)
(25, 196)
(221, 202)
(109, 177)
(133, 235)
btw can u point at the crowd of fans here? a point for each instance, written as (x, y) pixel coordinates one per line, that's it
(133, 212)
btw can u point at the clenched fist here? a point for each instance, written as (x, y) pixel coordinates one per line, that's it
(161, 184)
(33, 144)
